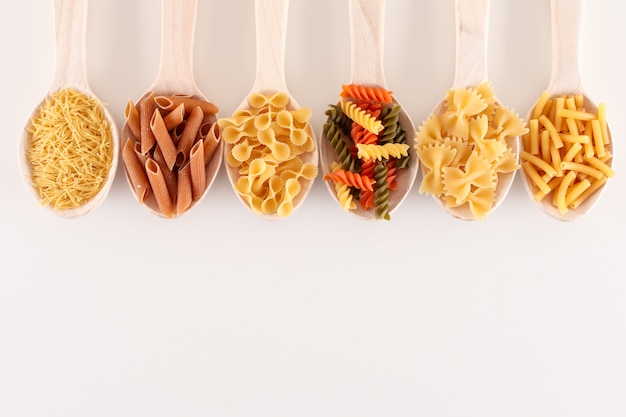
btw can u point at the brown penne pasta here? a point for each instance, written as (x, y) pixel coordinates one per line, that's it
(163, 138)
(192, 125)
(147, 107)
(184, 195)
(171, 102)
(175, 117)
(211, 141)
(157, 182)
(198, 174)
(135, 171)
(170, 176)
(132, 119)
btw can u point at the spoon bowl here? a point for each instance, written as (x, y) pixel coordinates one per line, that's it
(175, 78)
(70, 73)
(566, 80)
(367, 33)
(472, 17)
(270, 81)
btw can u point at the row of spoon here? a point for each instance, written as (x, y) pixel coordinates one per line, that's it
(175, 76)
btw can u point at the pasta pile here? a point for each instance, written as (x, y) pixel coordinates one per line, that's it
(172, 140)
(464, 149)
(365, 132)
(70, 150)
(269, 144)
(567, 151)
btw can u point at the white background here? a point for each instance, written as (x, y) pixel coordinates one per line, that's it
(220, 313)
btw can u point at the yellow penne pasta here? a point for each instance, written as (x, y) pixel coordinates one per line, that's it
(554, 134)
(598, 140)
(575, 191)
(572, 152)
(600, 166)
(595, 186)
(541, 103)
(539, 163)
(559, 103)
(159, 188)
(546, 144)
(532, 173)
(573, 166)
(566, 137)
(197, 170)
(602, 119)
(562, 191)
(556, 161)
(534, 136)
(577, 114)
(135, 171)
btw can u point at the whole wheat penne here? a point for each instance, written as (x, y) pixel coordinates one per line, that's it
(170, 176)
(175, 117)
(163, 138)
(159, 188)
(132, 119)
(170, 102)
(211, 141)
(146, 109)
(184, 194)
(185, 143)
(197, 168)
(135, 171)
(142, 158)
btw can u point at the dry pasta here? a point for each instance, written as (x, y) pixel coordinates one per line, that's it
(175, 125)
(365, 132)
(70, 149)
(267, 144)
(569, 167)
(466, 148)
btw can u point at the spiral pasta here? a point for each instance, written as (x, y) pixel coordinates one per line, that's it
(378, 94)
(366, 133)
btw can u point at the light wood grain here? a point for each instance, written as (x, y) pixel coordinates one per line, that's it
(70, 72)
(367, 18)
(175, 77)
(567, 23)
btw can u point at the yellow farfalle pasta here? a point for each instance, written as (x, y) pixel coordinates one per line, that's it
(466, 148)
(264, 143)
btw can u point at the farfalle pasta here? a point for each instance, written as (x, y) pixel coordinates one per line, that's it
(268, 145)
(464, 149)
(365, 132)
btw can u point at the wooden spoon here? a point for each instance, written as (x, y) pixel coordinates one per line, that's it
(175, 77)
(71, 19)
(271, 31)
(367, 43)
(471, 22)
(566, 80)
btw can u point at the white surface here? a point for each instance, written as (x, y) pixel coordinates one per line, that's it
(219, 313)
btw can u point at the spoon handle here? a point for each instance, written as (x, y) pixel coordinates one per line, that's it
(566, 38)
(271, 31)
(367, 32)
(71, 23)
(178, 19)
(472, 19)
